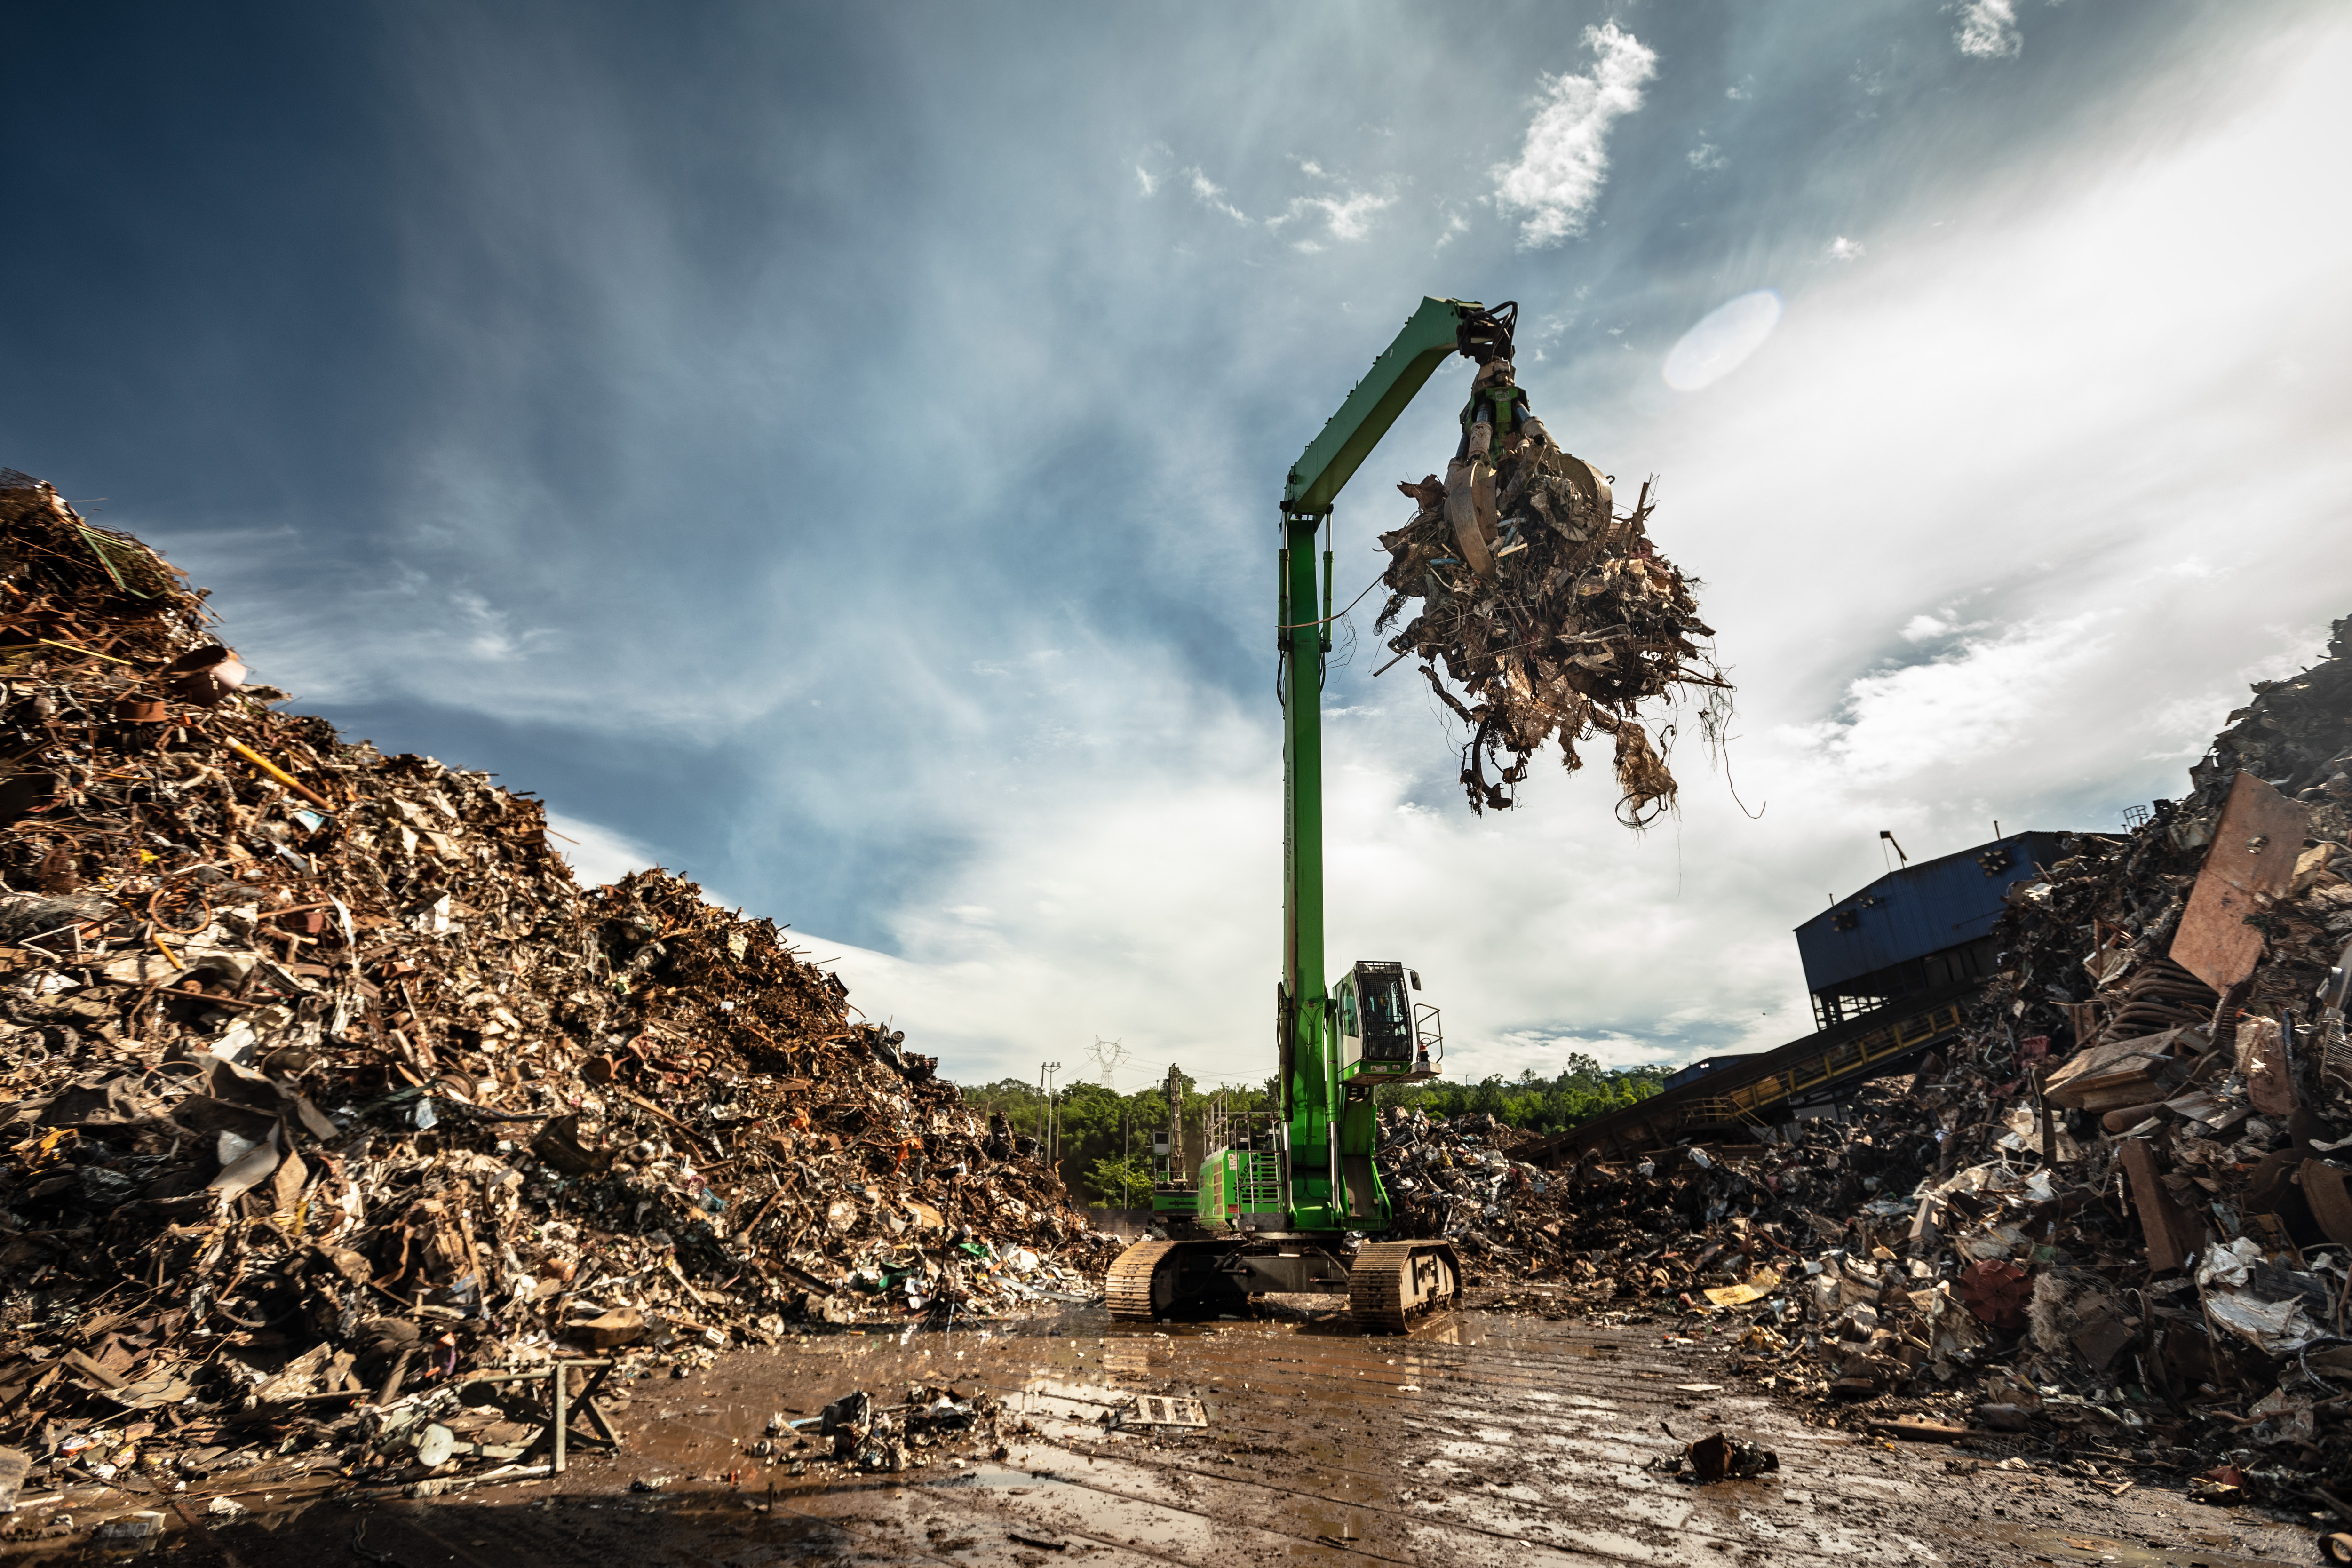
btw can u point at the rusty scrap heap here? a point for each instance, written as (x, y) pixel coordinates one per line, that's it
(2116, 1213)
(322, 1074)
(1553, 614)
(1620, 1235)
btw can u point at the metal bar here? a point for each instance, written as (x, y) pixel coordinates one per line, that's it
(281, 776)
(562, 1383)
(596, 1417)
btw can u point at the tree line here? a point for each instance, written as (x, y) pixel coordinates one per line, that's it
(1103, 1138)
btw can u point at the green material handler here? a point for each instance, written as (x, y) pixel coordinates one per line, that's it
(1288, 1202)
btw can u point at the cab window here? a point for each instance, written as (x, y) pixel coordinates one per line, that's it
(1387, 1019)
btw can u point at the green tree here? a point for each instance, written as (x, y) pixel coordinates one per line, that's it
(1106, 1137)
(1581, 1091)
(1116, 1182)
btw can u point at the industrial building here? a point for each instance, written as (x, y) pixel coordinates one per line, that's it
(1887, 967)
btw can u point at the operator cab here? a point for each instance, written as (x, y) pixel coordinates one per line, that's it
(1384, 1036)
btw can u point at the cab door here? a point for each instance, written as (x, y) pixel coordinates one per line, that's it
(1352, 1029)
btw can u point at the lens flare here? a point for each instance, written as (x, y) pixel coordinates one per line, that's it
(1722, 340)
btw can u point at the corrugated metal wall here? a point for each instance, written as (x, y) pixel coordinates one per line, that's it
(1920, 909)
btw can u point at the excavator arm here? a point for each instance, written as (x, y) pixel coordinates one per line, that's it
(1440, 327)
(1330, 1134)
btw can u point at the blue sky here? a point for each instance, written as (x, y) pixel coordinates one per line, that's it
(834, 451)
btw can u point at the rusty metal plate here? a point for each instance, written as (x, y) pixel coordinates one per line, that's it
(1996, 1291)
(2170, 1233)
(2250, 864)
(2324, 1188)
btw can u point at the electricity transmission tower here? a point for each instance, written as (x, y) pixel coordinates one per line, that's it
(1108, 1056)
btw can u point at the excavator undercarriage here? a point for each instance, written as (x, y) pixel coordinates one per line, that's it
(1387, 1284)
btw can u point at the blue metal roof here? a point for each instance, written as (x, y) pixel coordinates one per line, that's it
(1920, 909)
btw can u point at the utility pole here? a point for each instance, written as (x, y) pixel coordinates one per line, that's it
(1047, 1123)
(1175, 1125)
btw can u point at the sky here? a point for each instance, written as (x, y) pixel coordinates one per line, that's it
(834, 452)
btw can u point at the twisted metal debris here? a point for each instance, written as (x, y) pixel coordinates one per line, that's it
(1553, 614)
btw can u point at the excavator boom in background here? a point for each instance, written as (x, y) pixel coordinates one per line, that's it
(1288, 1201)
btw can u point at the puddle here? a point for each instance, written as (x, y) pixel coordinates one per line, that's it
(1485, 1441)
(2074, 1546)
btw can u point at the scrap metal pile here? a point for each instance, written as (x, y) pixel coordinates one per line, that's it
(1667, 1225)
(2116, 1213)
(1550, 611)
(321, 1080)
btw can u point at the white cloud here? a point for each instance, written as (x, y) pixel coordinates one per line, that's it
(1844, 250)
(1707, 156)
(1213, 196)
(1147, 179)
(596, 854)
(1028, 950)
(1988, 30)
(491, 636)
(1967, 705)
(1943, 624)
(1565, 160)
(1348, 216)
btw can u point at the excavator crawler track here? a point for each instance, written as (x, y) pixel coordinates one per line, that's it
(1394, 1282)
(1126, 1289)
(1187, 1277)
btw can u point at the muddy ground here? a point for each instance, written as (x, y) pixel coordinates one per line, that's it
(1491, 1437)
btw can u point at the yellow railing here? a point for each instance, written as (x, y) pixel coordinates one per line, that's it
(1662, 1118)
(1842, 1060)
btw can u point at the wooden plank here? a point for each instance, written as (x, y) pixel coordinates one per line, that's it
(2171, 1233)
(2119, 1073)
(2248, 864)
